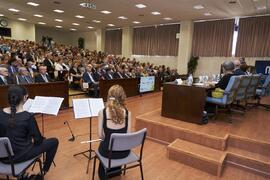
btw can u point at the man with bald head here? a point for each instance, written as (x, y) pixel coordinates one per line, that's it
(237, 71)
(4, 77)
(24, 76)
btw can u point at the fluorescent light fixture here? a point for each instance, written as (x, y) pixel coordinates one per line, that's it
(42, 23)
(198, 7)
(22, 19)
(90, 27)
(106, 12)
(75, 24)
(59, 26)
(207, 14)
(96, 21)
(136, 22)
(1, 15)
(58, 20)
(79, 16)
(167, 18)
(72, 29)
(38, 15)
(13, 10)
(155, 13)
(111, 25)
(140, 6)
(32, 4)
(58, 10)
(261, 8)
(122, 17)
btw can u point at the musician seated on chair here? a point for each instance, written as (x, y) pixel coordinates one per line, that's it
(90, 78)
(114, 118)
(22, 130)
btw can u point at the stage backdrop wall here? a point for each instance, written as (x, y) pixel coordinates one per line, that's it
(21, 30)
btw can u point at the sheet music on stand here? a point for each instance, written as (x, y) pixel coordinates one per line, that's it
(88, 107)
(44, 105)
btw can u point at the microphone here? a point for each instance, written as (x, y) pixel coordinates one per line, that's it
(73, 137)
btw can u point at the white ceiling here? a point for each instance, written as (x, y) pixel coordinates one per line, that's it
(176, 9)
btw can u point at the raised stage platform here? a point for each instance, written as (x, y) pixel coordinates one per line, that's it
(245, 143)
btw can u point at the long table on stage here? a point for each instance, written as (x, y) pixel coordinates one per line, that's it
(182, 102)
(131, 86)
(56, 89)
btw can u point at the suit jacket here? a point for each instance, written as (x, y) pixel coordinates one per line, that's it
(39, 78)
(33, 70)
(117, 75)
(9, 81)
(24, 79)
(12, 70)
(87, 79)
(238, 72)
(108, 77)
(50, 67)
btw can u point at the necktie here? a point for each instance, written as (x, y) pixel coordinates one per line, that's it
(45, 78)
(26, 79)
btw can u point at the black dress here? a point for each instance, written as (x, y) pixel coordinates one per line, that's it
(104, 145)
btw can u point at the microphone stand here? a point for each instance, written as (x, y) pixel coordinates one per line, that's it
(72, 135)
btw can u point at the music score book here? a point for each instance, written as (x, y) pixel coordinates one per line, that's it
(88, 107)
(44, 105)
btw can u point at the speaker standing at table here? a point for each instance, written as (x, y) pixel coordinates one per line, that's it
(115, 118)
(21, 128)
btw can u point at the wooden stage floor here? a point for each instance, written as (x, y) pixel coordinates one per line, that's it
(156, 164)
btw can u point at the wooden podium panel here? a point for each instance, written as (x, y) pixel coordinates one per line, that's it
(55, 89)
(185, 103)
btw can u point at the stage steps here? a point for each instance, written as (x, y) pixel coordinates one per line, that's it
(197, 156)
(212, 161)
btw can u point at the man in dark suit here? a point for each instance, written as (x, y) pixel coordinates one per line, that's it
(12, 68)
(24, 77)
(31, 68)
(91, 79)
(49, 63)
(118, 74)
(4, 77)
(237, 71)
(108, 75)
(43, 77)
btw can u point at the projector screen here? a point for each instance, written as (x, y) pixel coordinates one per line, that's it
(5, 32)
(147, 84)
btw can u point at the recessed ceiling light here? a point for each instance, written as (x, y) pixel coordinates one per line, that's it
(75, 24)
(90, 27)
(73, 29)
(106, 12)
(38, 15)
(122, 17)
(1, 15)
(207, 14)
(167, 18)
(136, 22)
(32, 4)
(58, 20)
(155, 13)
(42, 23)
(13, 10)
(111, 25)
(140, 6)
(261, 7)
(22, 19)
(79, 16)
(96, 21)
(58, 10)
(198, 7)
(58, 26)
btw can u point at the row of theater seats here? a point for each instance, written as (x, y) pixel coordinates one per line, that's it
(241, 89)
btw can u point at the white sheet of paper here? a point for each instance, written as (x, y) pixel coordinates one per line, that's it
(96, 104)
(179, 81)
(81, 108)
(85, 85)
(39, 104)
(53, 106)
(27, 105)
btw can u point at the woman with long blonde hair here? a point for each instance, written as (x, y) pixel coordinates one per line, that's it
(114, 118)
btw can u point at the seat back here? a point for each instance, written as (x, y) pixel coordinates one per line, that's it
(253, 85)
(5, 148)
(266, 87)
(241, 91)
(231, 88)
(128, 141)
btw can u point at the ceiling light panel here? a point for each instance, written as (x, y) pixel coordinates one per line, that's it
(38, 15)
(58, 10)
(122, 17)
(106, 12)
(32, 4)
(96, 21)
(167, 18)
(41, 23)
(207, 14)
(261, 8)
(155, 13)
(72, 29)
(59, 26)
(22, 19)
(58, 20)
(75, 24)
(140, 6)
(13, 10)
(90, 27)
(111, 25)
(136, 22)
(1, 15)
(79, 16)
(198, 7)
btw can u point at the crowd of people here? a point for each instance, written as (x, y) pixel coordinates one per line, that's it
(25, 62)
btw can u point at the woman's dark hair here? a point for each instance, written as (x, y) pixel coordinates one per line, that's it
(15, 97)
